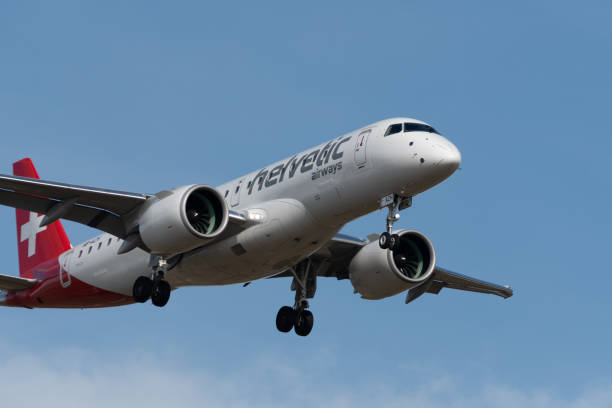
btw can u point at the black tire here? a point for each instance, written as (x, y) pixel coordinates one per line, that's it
(141, 291)
(383, 240)
(285, 319)
(304, 323)
(161, 293)
(394, 242)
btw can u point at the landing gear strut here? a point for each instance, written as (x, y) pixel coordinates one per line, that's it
(298, 317)
(394, 203)
(155, 287)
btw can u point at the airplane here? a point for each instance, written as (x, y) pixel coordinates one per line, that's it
(283, 220)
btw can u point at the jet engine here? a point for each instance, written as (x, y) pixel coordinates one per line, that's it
(379, 273)
(181, 219)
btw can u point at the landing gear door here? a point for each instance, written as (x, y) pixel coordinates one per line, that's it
(235, 198)
(64, 272)
(360, 148)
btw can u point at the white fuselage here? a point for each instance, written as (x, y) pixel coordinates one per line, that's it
(302, 202)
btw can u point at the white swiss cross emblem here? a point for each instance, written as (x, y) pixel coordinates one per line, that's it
(29, 231)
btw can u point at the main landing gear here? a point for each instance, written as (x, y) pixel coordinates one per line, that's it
(394, 203)
(298, 317)
(154, 287)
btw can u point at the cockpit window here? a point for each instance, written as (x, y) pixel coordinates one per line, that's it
(418, 127)
(396, 128)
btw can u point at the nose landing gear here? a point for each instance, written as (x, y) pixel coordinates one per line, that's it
(394, 203)
(298, 317)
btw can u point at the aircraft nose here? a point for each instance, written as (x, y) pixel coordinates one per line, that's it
(451, 156)
(445, 156)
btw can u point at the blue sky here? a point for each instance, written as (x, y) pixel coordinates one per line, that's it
(142, 96)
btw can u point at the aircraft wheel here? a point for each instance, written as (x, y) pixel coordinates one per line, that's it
(304, 323)
(383, 240)
(141, 291)
(394, 242)
(285, 319)
(161, 293)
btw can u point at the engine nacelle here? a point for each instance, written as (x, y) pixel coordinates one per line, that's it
(379, 273)
(182, 219)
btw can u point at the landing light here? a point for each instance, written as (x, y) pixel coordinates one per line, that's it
(256, 215)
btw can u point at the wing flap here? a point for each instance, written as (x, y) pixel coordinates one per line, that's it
(334, 257)
(15, 283)
(94, 217)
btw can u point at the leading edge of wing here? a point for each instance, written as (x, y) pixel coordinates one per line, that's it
(119, 202)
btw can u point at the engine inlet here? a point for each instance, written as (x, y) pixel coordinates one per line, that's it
(204, 212)
(414, 259)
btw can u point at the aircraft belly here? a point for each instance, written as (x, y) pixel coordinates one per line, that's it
(111, 272)
(289, 234)
(266, 252)
(231, 269)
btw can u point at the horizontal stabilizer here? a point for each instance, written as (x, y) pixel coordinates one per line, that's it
(8, 282)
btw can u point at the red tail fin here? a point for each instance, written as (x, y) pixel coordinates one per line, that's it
(36, 244)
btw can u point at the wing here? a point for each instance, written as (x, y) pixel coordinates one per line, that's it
(335, 256)
(443, 278)
(15, 283)
(95, 207)
(452, 280)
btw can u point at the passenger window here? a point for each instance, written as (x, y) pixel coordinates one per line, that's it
(226, 193)
(99, 245)
(80, 253)
(396, 128)
(89, 251)
(109, 241)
